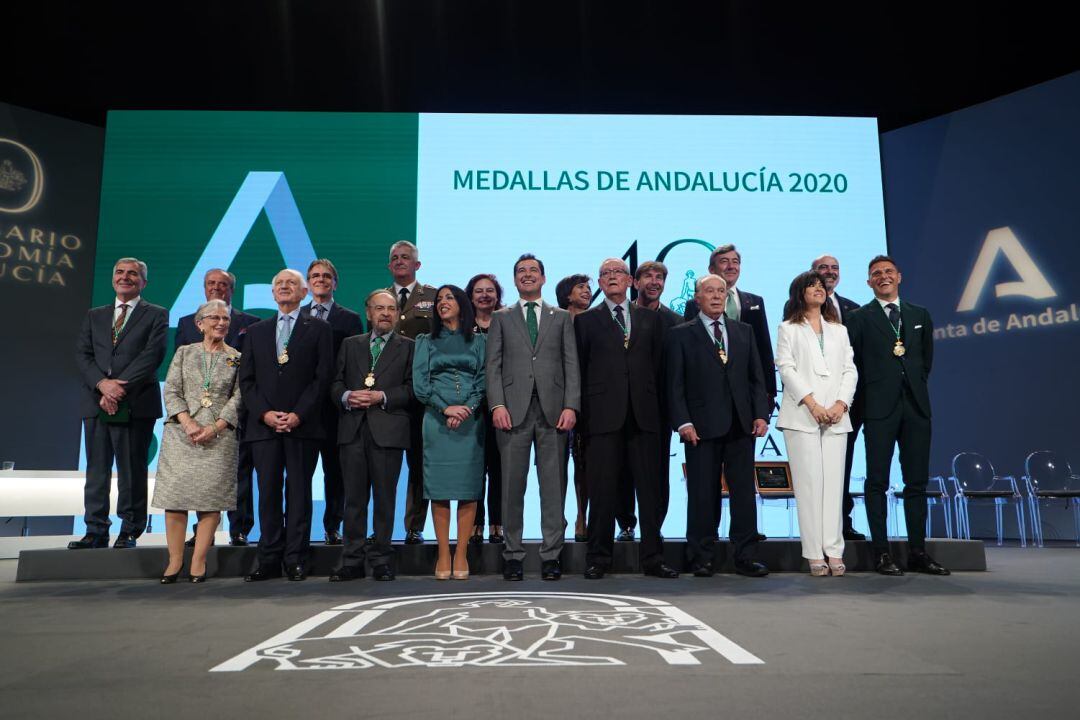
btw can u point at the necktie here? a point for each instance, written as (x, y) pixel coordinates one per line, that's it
(530, 321)
(403, 297)
(894, 315)
(732, 308)
(718, 336)
(320, 312)
(621, 319)
(376, 349)
(119, 324)
(284, 333)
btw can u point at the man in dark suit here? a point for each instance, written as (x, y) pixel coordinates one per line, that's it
(620, 349)
(220, 284)
(284, 380)
(893, 343)
(828, 267)
(649, 281)
(373, 386)
(717, 403)
(322, 280)
(415, 304)
(118, 352)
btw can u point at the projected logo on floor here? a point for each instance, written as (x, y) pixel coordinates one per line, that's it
(511, 629)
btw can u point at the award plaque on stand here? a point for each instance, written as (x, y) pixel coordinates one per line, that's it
(773, 478)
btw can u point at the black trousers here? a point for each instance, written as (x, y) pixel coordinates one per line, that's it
(493, 475)
(625, 516)
(415, 504)
(284, 465)
(129, 445)
(333, 486)
(731, 456)
(627, 451)
(242, 519)
(849, 502)
(369, 469)
(907, 427)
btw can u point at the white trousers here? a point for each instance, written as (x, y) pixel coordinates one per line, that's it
(817, 472)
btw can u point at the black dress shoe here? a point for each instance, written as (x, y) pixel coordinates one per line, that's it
(476, 539)
(751, 568)
(124, 541)
(370, 539)
(760, 537)
(855, 535)
(886, 566)
(262, 573)
(382, 573)
(594, 572)
(89, 542)
(190, 542)
(414, 537)
(661, 570)
(496, 538)
(920, 562)
(346, 573)
(513, 570)
(238, 540)
(333, 538)
(581, 538)
(296, 573)
(705, 570)
(551, 570)
(627, 535)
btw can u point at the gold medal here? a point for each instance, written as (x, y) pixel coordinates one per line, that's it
(369, 381)
(626, 343)
(206, 400)
(283, 358)
(723, 355)
(899, 349)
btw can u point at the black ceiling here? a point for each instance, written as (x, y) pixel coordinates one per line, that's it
(901, 62)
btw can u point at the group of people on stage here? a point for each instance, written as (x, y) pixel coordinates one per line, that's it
(468, 390)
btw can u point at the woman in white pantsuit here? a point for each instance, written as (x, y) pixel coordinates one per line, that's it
(814, 357)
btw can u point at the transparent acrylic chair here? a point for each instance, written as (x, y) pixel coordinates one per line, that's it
(1049, 477)
(973, 478)
(936, 494)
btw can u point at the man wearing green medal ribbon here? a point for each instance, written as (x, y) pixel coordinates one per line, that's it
(893, 341)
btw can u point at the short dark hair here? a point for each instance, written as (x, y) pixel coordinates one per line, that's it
(321, 261)
(466, 314)
(564, 287)
(724, 250)
(529, 256)
(485, 276)
(651, 265)
(880, 259)
(795, 307)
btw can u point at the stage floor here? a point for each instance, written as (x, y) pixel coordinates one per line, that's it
(996, 644)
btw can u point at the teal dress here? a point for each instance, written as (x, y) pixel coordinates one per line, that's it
(448, 371)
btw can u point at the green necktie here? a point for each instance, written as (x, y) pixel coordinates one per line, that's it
(732, 309)
(530, 321)
(376, 349)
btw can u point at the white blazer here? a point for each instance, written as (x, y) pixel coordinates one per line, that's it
(804, 370)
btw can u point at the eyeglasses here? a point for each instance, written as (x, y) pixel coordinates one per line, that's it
(613, 272)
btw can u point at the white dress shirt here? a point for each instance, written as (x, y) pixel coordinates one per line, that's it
(131, 307)
(525, 311)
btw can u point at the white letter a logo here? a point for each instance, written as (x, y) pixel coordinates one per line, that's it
(1032, 284)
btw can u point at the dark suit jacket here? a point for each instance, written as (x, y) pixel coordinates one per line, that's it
(701, 389)
(846, 307)
(416, 318)
(617, 380)
(881, 373)
(187, 332)
(344, 323)
(393, 375)
(751, 312)
(135, 357)
(300, 385)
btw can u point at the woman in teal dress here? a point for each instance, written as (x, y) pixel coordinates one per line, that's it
(448, 379)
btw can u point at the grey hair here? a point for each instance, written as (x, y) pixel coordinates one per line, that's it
(137, 261)
(209, 306)
(232, 278)
(618, 260)
(406, 243)
(297, 273)
(697, 283)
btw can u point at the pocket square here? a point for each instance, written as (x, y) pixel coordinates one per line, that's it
(755, 307)
(917, 327)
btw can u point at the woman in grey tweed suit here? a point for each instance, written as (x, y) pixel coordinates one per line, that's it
(197, 464)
